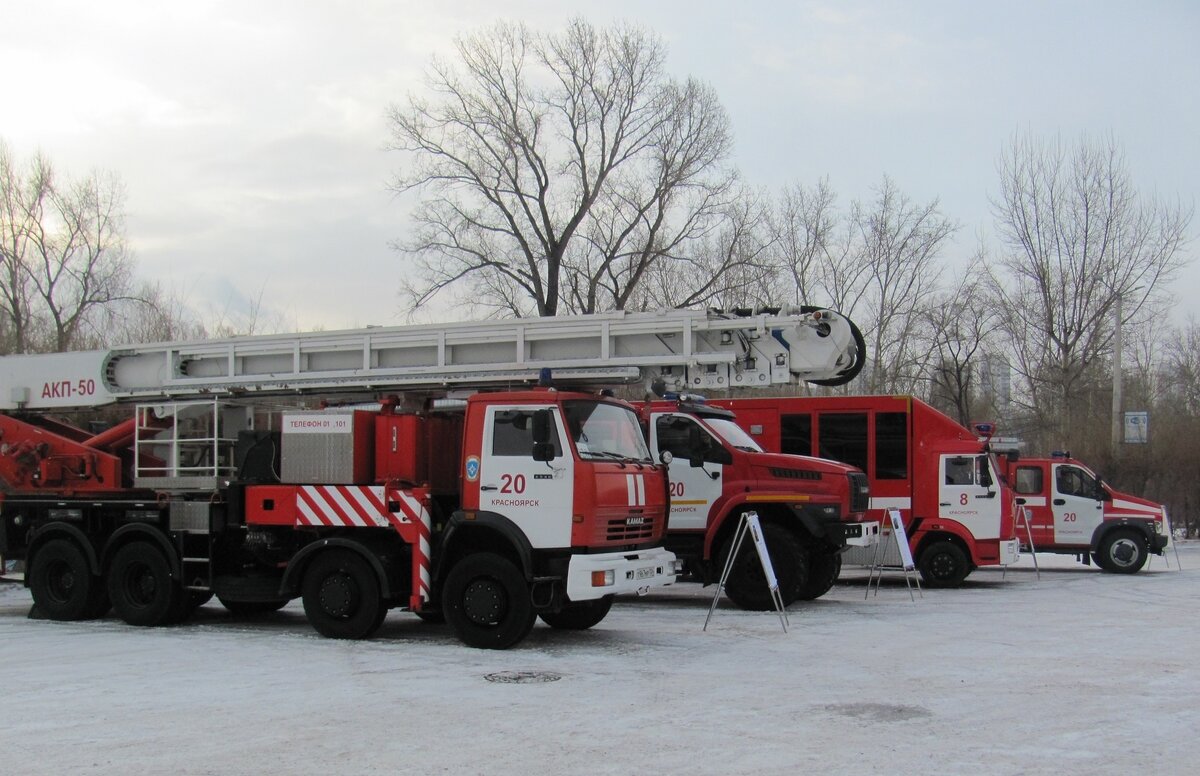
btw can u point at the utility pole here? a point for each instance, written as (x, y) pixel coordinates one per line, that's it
(1116, 377)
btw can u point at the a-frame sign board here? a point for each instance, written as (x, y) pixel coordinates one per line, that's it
(1023, 519)
(900, 536)
(749, 525)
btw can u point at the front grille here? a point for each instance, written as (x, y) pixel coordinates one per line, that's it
(794, 474)
(619, 529)
(860, 492)
(628, 525)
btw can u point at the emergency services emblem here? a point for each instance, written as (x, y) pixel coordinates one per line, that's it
(472, 468)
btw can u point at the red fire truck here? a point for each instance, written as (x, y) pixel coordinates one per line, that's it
(262, 469)
(812, 509)
(957, 511)
(1071, 511)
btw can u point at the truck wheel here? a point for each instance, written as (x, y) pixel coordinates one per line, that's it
(486, 601)
(747, 585)
(943, 564)
(578, 615)
(251, 608)
(62, 584)
(342, 597)
(824, 566)
(1122, 552)
(141, 588)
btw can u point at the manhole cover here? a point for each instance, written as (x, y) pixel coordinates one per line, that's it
(522, 677)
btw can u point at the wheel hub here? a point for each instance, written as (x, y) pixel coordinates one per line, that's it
(62, 582)
(484, 602)
(943, 566)
(339, 597)
(1123, 552)
(141, 585)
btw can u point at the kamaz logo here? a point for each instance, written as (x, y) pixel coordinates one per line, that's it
(635, 521)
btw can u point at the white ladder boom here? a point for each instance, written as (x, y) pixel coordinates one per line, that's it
(685, 349)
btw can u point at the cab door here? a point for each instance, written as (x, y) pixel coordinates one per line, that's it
(1077, 510)
(969, 494)
(536, 495)
(1031, 488)
(694, 489)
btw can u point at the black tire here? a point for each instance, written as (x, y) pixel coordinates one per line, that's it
(943, 564)
(1123, 551)
(578, 615)
(252, 608)
(747, 585)
(486, 600)
(341, 595)
(63, 585)
(141, 588)
(824, 566)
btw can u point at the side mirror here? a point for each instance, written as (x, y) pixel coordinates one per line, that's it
(543, 448)
(985, 477)
(697, 444)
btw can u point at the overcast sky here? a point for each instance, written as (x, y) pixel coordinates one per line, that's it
(250, 134)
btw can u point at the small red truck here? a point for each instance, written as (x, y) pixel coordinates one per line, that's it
(1072, 511)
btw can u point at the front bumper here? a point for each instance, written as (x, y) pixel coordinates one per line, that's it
(621, 572)
(864, 534)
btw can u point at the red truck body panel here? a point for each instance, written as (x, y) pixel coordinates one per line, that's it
(914, 458)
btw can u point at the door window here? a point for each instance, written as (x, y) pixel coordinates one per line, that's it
(1030, 480)
(512, 433)
(1073, 481)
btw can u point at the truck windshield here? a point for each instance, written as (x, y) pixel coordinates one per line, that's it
(733, 434)
(605, 431)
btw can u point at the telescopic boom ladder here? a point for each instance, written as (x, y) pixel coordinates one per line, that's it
(680, 349)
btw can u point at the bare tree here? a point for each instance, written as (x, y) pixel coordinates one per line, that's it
(731, 267)
(557, 168)
(23, 198)
(900, 242)
(808, 237)
(64, 251)
(1078, 238)
(960, 321)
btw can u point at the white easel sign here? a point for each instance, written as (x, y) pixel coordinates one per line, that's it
(901, 539)
(761, 546)
(900, 536)
(749, 524)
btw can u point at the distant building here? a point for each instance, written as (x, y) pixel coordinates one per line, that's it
(995, 381)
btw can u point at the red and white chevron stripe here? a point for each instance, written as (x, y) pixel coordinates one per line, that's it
(415, 526)
(341, 505)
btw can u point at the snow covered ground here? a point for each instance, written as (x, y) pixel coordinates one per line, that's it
(1080, 672)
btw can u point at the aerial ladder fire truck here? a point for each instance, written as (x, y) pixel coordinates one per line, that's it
(470, 471)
